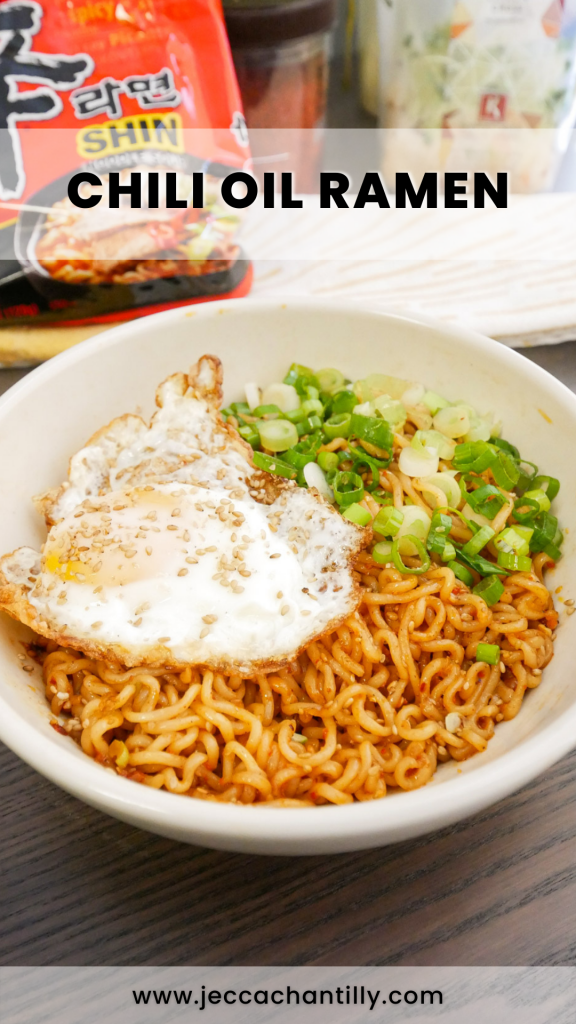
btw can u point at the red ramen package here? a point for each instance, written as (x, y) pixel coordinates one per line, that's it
(111, 88)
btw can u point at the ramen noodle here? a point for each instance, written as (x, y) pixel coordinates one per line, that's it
(454, 626)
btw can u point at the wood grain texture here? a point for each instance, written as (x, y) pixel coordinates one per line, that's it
(79, 888)
(83, 889)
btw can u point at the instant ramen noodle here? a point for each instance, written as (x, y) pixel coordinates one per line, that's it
(113, 89)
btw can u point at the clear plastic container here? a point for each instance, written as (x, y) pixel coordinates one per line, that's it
(485, 85)
(281, 54)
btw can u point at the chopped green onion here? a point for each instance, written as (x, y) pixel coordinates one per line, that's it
(360, 459)
(344, 401)
(348, 488)
(553, 552)
(240, 409)
(489, 589)
(486, 500)
(461, 573)
(295, 415)
(312, 407)
(339, 425)
(309, 425)
(434, 402)
(266, 410)
(434, 439)
(524, 531)
(283, 395)
(525, 509)
(505, 471)
(437, 541)
(549, 484)
(510, 540)
(329, 379)
(421, 552)
(303, 452)
(328, 461)
(513, 562)
(300, 377)
(478, 541)
(357, 514)
(382, 552)
(277, 435)
(374, 430)
(444, 482)
(453, 421)
(249, 434)
(473, 456)
(505, 446)
(480, 564)
(545, 527)
(388, 521)
(273, 465)
(539, 496)
(488, 653)
(383, 497)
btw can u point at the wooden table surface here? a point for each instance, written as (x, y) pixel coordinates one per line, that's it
(79, 888)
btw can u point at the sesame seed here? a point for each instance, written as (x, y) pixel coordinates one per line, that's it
(138, 621)
(306, 613)
(212, 548)
(176, 512)
(233, 538)
(152, 515)
(148, 551)
(171, 527)
(204, 632)
(96, 625)
(285, 609)
(118, 508)
(186, 536)
(29, 668)
(97, 567)
(130, 554)
(502, 666)
(163, 639)
(191, 560)
(279, 594)
(236, 588)
(569, 602)
(277, 555)
(209, 619)
(183, 572)
(536, 671)
(570, 611)
(244, 572)
(78, 514)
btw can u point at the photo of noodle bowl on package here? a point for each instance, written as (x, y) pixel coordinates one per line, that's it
(128, 246)
(319, 594)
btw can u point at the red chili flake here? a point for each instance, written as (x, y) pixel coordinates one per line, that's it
(422, 687)
(325, 734)
(457, 590)
(58, 728)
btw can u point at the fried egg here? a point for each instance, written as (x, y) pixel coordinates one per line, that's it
(166, 546)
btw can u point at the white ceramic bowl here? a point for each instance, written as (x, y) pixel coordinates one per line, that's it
(55, 409)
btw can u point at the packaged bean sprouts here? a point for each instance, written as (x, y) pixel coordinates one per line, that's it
(478, 85)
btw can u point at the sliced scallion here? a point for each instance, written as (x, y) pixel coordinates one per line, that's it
(514, 563)
(348, 488)
(478, 541)
(357, 514)
(338, 425)
(388, 521)
(382, 552)
(489, 589)
(271, 464)
(488, 653)
(410, 541)
(277, 435)
(461, 573)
